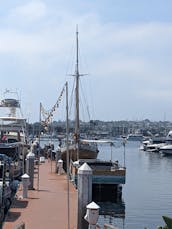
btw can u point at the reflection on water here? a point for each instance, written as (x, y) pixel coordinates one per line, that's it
(147, 192)
(112, 213)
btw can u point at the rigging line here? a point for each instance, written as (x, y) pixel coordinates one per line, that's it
(71, 97)
(85, 100)
(82, 64)
(71, 64)
(82, 106)
(56, 105)
(91, 98)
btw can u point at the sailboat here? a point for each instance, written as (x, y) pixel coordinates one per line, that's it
(78, 148)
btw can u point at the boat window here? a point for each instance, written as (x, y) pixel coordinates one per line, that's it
(12, 140)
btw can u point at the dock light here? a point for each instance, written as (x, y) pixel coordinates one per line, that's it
(92, 214)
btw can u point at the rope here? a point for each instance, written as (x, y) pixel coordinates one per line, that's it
(49, 115)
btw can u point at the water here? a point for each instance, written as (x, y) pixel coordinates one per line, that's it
(147, 194)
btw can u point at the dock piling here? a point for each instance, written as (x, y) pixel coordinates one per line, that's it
(84, 193)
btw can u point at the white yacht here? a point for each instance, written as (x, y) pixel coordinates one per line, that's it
(13, 132)
(135, 137)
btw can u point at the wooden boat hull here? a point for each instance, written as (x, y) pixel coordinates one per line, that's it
(84, 153)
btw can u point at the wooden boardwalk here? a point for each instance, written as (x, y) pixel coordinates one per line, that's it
(48, 207)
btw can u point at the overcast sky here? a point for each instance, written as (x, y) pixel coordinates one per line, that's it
(125, 48)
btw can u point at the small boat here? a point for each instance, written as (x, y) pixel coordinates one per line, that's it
(166, 149)
(153, 144)
(157, 143)
(144, 144)
(104, 172)
(154, 147)
(135, 137)
(107, 178)
(168, 138)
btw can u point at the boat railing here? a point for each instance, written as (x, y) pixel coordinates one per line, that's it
(109, 226)
(90, 147)
(102, 165)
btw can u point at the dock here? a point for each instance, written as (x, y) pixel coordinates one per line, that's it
(48, 206)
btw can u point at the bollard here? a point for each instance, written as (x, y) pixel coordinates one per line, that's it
(92, 215)
(60, 167)
(30, 158)
(25, 183)
(84, 193)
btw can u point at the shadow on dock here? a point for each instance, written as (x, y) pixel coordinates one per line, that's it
(19, 204)
(13, 216)
(112, 214)
(44, 190)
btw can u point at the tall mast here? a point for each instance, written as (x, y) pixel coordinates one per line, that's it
(77, 88)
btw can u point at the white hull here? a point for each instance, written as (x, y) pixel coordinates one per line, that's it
(13, 133)
(167, 149)
(154, 147)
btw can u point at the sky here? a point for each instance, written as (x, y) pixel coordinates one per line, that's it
(125, 50)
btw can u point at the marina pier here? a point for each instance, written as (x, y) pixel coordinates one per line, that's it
(46, 207)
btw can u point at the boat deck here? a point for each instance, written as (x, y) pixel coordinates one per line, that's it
(48, 207)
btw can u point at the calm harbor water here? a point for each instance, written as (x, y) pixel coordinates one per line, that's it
(147, 194)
